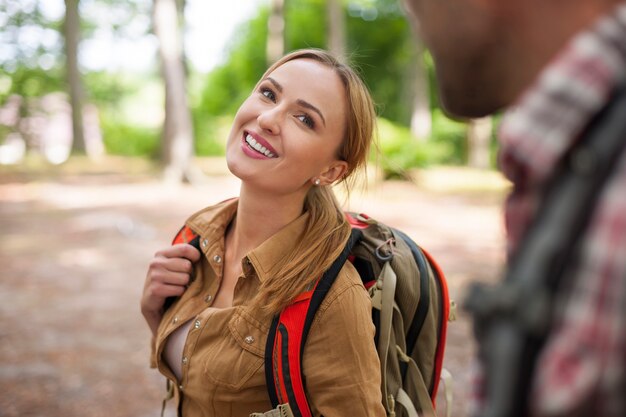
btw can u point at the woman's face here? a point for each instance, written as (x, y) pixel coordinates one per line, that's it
(286, 134)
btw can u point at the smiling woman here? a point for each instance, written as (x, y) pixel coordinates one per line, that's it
(307, 125)
(286, 119)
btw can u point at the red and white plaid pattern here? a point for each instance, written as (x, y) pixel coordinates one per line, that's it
(582, 370)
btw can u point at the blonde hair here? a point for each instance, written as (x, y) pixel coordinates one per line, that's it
(327, 230)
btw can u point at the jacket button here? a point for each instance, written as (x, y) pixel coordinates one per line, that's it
(185, 360)
(197, 324)
(205, 242)
(249, 340)
(217, 259)
(175, 320)
(208, 298)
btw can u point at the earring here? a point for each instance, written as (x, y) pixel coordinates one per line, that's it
(317, 181)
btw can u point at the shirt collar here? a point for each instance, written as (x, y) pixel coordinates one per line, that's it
(212, 222)
(266, 255)
(552, 114)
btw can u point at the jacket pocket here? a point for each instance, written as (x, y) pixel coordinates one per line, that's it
(240, 353)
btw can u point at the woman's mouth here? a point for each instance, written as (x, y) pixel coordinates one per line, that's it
(258, 147)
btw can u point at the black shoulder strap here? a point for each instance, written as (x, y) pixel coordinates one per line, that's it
(424, 302)
(512, 319)
(272, 372)
(327, 281)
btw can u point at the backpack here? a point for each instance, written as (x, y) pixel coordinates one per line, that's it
(410, 311)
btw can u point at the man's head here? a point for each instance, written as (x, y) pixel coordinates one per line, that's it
(487, 52)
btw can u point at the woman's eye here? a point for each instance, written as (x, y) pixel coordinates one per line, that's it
(268, 93)
(308, 121)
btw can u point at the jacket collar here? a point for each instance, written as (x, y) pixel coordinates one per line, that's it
(212, 222)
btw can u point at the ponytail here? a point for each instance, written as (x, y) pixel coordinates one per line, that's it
(326, 233)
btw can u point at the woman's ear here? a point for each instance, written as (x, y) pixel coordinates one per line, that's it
(334, 172)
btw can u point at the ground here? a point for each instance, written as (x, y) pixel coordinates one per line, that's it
(76, 240)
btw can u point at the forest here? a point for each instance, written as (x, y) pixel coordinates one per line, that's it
(113, 121)
(55, 104)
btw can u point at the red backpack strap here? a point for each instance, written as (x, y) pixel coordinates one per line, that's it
(445, 314)
(358, 221)
(186, 235)
(285, 382)
(287, 337)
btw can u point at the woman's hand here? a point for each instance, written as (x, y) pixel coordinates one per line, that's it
(168, 275)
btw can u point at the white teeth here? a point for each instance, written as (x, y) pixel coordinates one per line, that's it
(258, 147)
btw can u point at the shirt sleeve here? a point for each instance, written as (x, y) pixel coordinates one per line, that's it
(340, 362)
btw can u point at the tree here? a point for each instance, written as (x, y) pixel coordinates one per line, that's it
(276, 31)
(177, 149)
(71, 29)
(421, 119)
(336, 28)
(478, 138)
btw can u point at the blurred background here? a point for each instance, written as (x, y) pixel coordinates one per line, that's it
(113, 121)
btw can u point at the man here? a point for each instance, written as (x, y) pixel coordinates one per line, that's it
(555, 64)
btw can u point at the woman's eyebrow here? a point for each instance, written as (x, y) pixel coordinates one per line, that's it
(311, 107)
(276, 84)
(301, 102)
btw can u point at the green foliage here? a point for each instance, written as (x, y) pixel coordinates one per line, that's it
(109, 89)
(305, 24)
(380, 45)
(4, 132)
(29, 82)
(211, 133)
(453, 134)
(128, 139)
(401, 152)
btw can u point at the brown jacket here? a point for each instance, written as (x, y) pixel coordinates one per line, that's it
(223, 366)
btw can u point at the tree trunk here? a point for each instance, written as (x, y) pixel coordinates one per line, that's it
(336, 28)
(478, 138)
(421, 118)
(74, 82)
(276, 32)
(177, 139)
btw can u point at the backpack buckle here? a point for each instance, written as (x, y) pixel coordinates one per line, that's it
(386, 255)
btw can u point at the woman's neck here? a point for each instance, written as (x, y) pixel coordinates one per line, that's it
(259, 217)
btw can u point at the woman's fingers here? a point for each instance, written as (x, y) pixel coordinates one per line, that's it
(181, 250)
(168, 275)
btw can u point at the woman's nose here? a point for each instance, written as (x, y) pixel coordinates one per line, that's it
(269, 120)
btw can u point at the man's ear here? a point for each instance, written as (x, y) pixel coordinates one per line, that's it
(334, 172)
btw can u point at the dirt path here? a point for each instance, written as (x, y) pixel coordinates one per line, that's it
(74, 253)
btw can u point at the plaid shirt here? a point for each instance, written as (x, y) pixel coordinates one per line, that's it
(582, 369)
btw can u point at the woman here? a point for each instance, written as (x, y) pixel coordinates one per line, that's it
(307, 125)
